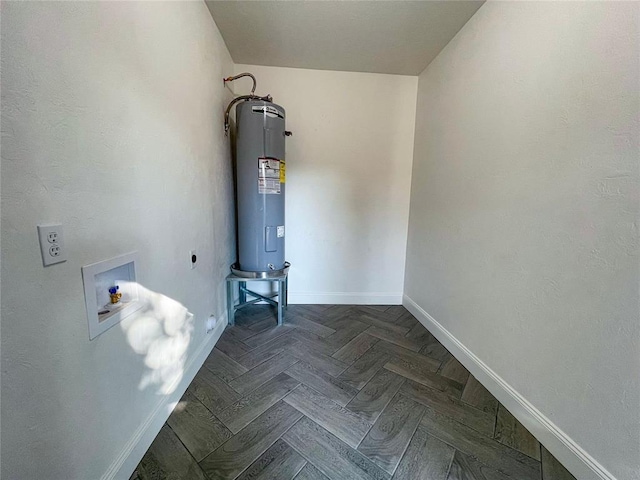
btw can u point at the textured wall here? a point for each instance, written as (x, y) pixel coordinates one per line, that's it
(523, 231)
(112, 125)
(348, 180)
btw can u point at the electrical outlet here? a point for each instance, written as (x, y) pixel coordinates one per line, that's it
(211, 323)
(193, 258)
(51, 244)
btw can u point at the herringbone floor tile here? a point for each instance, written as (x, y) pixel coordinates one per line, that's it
(340, 392)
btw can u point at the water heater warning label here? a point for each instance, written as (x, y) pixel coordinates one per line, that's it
(269, 176)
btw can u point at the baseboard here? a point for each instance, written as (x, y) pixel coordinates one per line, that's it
(582, 465)
(346, 298)
(138, 444)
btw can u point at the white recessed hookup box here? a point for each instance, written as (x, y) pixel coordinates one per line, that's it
(110, 292)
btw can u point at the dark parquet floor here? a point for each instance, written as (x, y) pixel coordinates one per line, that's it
(340, 392)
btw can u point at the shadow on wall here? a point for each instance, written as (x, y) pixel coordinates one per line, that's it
(161, 331)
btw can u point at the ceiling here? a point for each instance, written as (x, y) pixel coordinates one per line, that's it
(398, 37)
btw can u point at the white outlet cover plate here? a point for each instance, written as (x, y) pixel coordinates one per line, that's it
(45, 236)
(211, 323)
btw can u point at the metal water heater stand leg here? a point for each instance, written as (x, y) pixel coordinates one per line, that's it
(243, 291)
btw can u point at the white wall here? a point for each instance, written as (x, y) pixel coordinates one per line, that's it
(111, 125)
(348, 180)
(523, 232)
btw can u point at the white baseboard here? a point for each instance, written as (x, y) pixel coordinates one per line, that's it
(582, 465)
(346, 298)
(124, 465)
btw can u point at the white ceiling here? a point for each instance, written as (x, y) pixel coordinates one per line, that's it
(399, 37)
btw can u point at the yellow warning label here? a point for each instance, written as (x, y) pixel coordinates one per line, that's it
(283, 173)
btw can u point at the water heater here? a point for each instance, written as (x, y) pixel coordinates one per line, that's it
(261, 180)
(260, 183)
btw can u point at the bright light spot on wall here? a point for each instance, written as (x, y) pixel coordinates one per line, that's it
(160, 331)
